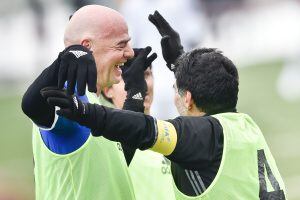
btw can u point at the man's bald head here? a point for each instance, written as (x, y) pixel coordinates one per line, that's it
(103, 31)
(93, 22)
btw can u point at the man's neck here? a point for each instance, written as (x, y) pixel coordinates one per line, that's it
(196, 112)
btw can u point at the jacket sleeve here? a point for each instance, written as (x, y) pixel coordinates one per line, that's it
(33, 104)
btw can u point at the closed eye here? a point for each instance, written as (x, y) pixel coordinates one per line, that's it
(123, 43)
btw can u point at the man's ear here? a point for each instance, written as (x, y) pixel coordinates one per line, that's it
(188, 100)
(86, 43)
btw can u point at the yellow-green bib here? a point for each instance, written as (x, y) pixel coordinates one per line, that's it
(150, 173)
(151, 176)
(96, 171)
(238, 177)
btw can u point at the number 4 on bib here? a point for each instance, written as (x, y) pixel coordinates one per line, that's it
(278, 193)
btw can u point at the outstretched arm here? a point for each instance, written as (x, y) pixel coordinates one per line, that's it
(192, 142)
(136, 130)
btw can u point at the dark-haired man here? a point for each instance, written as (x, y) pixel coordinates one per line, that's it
(215, 152)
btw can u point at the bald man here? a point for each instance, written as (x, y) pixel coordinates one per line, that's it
(69, 163)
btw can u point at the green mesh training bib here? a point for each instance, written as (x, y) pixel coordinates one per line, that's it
(95, 171)
(248, 170)
(150, 173)
(151, 176)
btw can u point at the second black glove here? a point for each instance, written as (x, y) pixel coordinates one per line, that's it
(133, 73)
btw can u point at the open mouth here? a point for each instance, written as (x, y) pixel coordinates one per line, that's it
(118, 70)
(118, 66)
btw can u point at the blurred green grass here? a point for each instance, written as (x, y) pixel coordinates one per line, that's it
(16, 161)
(277, 118)
(258, 97)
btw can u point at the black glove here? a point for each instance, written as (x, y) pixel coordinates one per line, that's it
(133, 73)
(170, 42)
(71, 106)
(117, 125)
(77, 65)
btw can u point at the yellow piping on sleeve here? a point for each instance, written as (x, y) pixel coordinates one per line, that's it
(166, 138)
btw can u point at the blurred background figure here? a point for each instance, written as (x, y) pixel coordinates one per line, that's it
(261, 37)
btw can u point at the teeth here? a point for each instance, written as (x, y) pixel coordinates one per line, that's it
(120, 65)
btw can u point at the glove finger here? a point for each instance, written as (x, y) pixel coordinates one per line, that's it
(62, 73)
(67, 113)
(81, 79)
(53, 92)
(144, 52)
(92, 77)
(152, 19)
(137, 51)
(155, 22)
(60, 102)
(164, 25)
(161, 24)
(50, 88)
(149, 60)
(72, 78)
(166, 48)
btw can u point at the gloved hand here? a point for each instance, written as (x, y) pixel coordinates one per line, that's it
(170, 42)
(71, 106)
(133, 73)
(77, 65)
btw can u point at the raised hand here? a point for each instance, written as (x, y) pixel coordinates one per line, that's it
(170, 42)
(133, 71)
(77, 65)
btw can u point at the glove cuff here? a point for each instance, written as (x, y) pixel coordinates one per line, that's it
(95, 118)
(135, 100)
(171, 64)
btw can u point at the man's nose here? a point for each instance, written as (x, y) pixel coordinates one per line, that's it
(128, 53)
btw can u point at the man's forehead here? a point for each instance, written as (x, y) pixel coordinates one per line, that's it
(112, 29)
(116, 37)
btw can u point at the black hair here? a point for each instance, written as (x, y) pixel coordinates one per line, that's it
(211, 78)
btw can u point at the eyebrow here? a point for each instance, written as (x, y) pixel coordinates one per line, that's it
(124, 41)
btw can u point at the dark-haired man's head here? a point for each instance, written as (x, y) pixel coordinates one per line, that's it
(206, 82)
